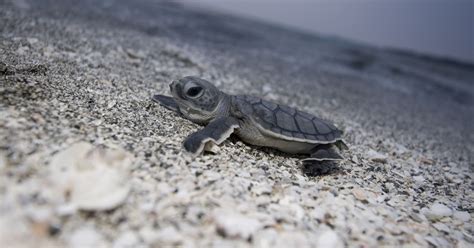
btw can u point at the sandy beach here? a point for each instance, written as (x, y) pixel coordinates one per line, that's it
(88, 160)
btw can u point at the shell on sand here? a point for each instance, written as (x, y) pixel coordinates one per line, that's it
(91, 178)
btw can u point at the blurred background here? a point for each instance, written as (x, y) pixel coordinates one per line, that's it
(438, 27)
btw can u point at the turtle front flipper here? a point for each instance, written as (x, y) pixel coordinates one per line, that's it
(217, 131)
(324, 152)
(166, 101)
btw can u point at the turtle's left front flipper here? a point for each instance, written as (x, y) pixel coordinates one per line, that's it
(217, 131)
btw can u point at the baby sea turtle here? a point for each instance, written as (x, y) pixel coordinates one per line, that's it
(252, 119)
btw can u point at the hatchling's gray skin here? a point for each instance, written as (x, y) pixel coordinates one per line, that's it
(254, 120)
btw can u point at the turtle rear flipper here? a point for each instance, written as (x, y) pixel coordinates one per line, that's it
(341, 145)
(324, 152)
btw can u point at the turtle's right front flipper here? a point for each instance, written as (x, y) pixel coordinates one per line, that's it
(217, 131)
(166, 101)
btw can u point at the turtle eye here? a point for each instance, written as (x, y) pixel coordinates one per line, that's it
(194, 91)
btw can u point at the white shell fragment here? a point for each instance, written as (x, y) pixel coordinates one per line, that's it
(127, 239)
(212, 147)
(86, 237)
(91, 178)
(360, 194)
(10, 237)
(462, 216)
(376, 156)
(235, 225)
(3, 160)
(329, 238)
(438, 211)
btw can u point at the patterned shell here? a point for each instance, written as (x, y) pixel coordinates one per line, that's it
(286, 122)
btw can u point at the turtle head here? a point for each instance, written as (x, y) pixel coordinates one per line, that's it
(198, 99)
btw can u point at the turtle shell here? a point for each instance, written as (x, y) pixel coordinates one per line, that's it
(287, 123)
